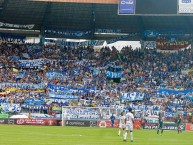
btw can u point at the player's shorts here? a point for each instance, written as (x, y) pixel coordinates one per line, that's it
(160, 125)
(178, 126)
(121, 125)
(129, 127)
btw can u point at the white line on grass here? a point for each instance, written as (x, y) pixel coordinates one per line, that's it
(43, 134)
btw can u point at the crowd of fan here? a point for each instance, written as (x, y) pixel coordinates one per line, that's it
(144, 71)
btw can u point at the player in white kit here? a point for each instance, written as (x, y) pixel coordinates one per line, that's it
(129, 121)
(121, 123)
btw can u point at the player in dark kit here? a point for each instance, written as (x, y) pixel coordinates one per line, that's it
(160, 122)
(178, 123)
(112, 120)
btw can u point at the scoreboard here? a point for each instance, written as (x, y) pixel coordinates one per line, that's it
(155, 7)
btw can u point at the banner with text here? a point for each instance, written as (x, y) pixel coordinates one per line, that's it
(135, 96)
(32, 63)
(189, 127)
(64, 96)
(69, 33)
(55, 75)
(126, 7)
(12, 38)
(46, 122)
(59, 89)
(83, 123)
(23, 85)
(114, 75)
(7, 107)
(81, 44)
(17, 26)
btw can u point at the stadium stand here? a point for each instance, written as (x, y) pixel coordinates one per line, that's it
(33, 76)
(36, 77)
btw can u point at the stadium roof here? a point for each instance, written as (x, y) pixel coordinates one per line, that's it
(87, 16)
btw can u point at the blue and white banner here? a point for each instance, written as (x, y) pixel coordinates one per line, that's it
(175, 92)
(82, 113)
(164, 33)
(66, 97)
(7, 107)
(169, 114)
(11, 38)
(69, 34)
(23, 85)
(114, 75)
(32, 63)
(39, 116)
(58, 100)
(54, 75)
(34, 102)
(143, 107)
(58, 89)
(185, 7)
(135, 96)
(113, 71)
(147, 111)
(61, 90)
(126, 7)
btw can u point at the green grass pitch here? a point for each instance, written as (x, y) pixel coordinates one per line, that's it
(43, 135)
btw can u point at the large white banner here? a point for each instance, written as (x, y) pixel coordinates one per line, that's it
(185, 6)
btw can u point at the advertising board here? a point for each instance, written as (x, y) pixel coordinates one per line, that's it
(46, 122)
(81, 123)
(189, 127)
(107, 124)
(3, 121)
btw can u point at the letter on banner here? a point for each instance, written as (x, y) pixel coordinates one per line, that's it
(126, 7)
